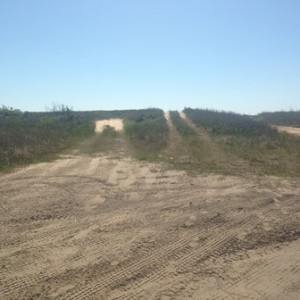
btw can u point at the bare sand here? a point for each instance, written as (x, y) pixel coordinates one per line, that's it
(182, 115)
(115, 123)
(288, 129)
(105, 228)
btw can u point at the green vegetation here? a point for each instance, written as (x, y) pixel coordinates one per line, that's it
(109, 140)
(181, 126)
(132, 114)
(208, 141)
(283, 118)
(26, 137)
(145, 132)
(228, 123)
(196, 153)
(109, 131)
(262, 149)
(148, 133)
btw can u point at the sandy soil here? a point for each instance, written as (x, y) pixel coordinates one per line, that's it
(103, 228)
(115, 123)
(288, 129)
(182, 115)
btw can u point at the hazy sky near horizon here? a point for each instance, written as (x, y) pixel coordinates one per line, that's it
(233, 55)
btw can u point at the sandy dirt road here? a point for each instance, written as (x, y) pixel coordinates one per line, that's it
(96, 227)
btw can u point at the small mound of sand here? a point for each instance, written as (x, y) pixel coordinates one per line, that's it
(115, 123)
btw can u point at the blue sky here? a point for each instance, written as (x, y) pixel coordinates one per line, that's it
(233, 55)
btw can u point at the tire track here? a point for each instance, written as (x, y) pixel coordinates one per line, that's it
(213, 249)
(153, 264)
(72, 264)
(251, 279)
(184, 260)
(151, 230)
(83, 225)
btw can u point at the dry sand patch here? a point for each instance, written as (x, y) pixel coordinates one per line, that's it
(182, 115)
(115, 123)
(167, 115)
(104, 228)
(289, 129)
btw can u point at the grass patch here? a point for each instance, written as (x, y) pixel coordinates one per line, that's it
(228, 123)
(196, 153)
(181, 126)
(148, 133)
(104, 142)
(267, 155)
(28, 137)
(109, 131)
(145, 133)
(262, 148)
(225, 143)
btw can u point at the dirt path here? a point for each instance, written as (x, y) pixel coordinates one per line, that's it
(224, 162)
(179, 149)
(175, 140)
(97, 227)
(115, 144)
(203, 136)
